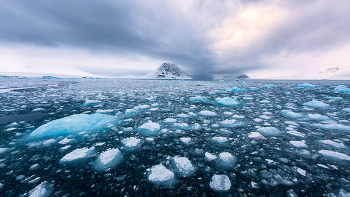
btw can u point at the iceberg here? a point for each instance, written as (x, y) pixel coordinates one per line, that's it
(74, 124)
(227, 101)
(183, 166)
(108, 159)
(317, 104)
(159, 174)
(150, 128)
(220, 183)
(341, 88)
(78, 155)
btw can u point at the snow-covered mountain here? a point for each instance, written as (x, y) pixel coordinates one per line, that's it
(231, 76)
(329, 73)
(167, 71)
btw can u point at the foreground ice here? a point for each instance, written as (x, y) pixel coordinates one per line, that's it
(44, 189)
(335, 144)
(232, 123)
(131, 143)
(199, 99)
(78, 155)
(332, 125)
(183, 166)
(290, 113)
(226, 160)
(3, 150)
(150, 128)
(207, 113)
(335, 155)
(318, 104)
(220, 183)
(74, 124)
(108, 159)
(227, 101)
(159, 174)
(256, 135)
(209, 157)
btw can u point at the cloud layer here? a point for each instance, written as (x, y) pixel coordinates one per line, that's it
(203, 37)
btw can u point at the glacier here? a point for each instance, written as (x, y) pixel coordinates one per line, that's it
(133, 137)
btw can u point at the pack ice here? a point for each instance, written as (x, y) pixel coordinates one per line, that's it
(74, 124)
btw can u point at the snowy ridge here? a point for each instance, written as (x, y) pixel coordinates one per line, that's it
(167, 71)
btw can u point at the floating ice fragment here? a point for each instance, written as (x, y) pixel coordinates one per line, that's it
(181, 125)
(332, 125)
(108, 159)
(335, 144)
(185, 140)
(78, 154)
(220, 139)
(342, 88)
(161, 175)
(65, 141)
(290, 113)
(34, 167)
(131, 142)
(317, 104)
(333, 98)
(207, 113)
(104, 111)
(49, 142)
(220, 183)
(265, 101)
(199, 99)
(2, 150)
(74, 124)
(42, 190)
(256, 135)
(235, 89)
(142, 107)
(296, 133)
(227, 101)
(299, 144)
(335, 155)
(209, 156)
(318, 117)
(269, 130)
(232, 123)
(38, 109)
(183, 166)
(131, 112)
(301, 171)
(307, 85)
(170, 120)
(226, 160)
(150, 128)
(91, 102)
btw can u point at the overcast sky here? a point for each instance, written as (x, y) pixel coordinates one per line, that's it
(121, 38)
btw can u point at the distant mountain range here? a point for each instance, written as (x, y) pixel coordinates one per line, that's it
(167, 71)
(329, 73)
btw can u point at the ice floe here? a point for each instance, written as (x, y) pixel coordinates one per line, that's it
(44, 189)
(317, 104)
(183, 166)
(227, 101)
(150, 128)
(108, 159)
(268, 130)
(335, 155)
(159, 174)
(78, 155)
(74, 124)
(220, 183)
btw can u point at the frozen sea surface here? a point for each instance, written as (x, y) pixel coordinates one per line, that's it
(109, 137)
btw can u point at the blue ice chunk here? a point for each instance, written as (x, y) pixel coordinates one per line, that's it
(182, 166)
(318, 104)
(342, 88)
(332, 125)
(108, 159)
(307, 85)
(42, 190)
(74, 124)
(226, 160)
(232, 123)
(199, 99)
(333, 98)
(269, 86)
(227, 101)
(235, 89)
(346, 110)
(269, 130)
(160, 175)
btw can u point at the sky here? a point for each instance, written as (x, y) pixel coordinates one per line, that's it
(115, 38)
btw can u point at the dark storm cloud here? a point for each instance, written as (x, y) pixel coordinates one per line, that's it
(159, 30)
